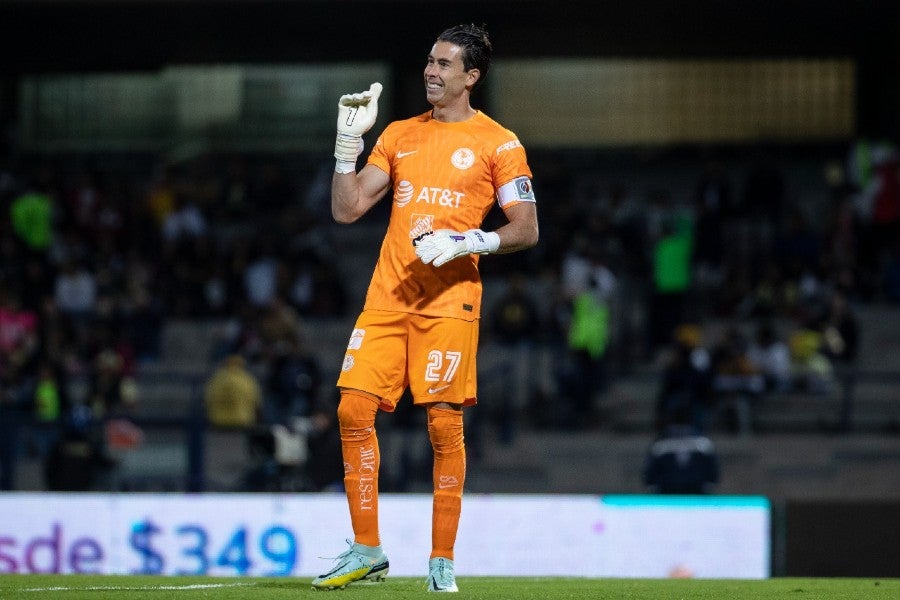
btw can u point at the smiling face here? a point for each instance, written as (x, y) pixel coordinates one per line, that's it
(447, 83)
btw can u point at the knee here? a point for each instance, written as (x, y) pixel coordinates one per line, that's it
(356, 415)
(445, 429)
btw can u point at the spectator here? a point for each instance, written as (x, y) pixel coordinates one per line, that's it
(292, 386)
(278, 322)
(19, 337)
(515, 323)
(75, 292)
(737, 381)
(108, 390)
(686, 386)
(49, 402)
(12, 418)
(185, 222)
(839, 329)
(878, 204)
(77, 458)
(261, 274)
(772, 358)
(682, 460)
(811, 370)
(671, 278)
(83, 201)
(590, 287)
(233, 395)
(303, 288)
(160, 199)
(32, 218)
(143, 325)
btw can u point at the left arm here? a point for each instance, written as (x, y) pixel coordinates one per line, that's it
(521, 233)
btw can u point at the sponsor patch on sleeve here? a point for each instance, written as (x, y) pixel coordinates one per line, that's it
(509, 146)
(517, 190)
(356, 339)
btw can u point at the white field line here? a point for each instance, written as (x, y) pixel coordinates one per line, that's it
(125, 588)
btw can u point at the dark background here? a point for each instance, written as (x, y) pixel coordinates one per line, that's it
(50, 36)
(846, 539)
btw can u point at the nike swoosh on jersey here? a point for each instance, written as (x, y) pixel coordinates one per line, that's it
(402, 154)
(436, 390)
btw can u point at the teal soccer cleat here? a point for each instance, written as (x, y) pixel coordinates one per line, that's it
(440, 575)
(357, 563)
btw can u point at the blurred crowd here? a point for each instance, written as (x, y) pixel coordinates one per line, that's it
(739, 285)
(96, 259)
(96, 256)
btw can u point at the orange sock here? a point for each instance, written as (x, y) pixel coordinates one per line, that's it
(359, 445)
(445, 428)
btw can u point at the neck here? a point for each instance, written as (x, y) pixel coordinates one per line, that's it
(452, 114)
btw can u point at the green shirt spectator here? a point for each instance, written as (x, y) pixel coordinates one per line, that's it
(32, 219)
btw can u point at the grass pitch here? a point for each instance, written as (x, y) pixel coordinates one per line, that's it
(120, 587)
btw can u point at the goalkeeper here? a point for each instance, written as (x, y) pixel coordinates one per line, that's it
(418, 328)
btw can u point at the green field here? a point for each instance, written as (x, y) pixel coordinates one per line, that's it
(97, 587)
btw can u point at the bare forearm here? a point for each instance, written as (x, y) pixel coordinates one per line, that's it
(353, 194)
(514, 239)
(345, 197)
(521, 232)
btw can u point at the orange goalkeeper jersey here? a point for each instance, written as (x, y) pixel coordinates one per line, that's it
(444, 176)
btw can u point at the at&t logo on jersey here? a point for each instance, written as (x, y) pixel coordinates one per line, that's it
(440, 196)
(405, 192)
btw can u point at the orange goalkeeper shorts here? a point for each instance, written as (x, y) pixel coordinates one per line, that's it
(433, 356)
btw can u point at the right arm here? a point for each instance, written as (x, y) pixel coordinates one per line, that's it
(353, 194)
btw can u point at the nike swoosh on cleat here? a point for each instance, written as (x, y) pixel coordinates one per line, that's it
(434, 584)
(402, 154)
(334, 570)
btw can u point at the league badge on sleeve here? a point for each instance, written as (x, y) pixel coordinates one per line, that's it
(517, 190)
(523, 189)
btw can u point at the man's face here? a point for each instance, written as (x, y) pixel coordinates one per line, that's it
(445, 76)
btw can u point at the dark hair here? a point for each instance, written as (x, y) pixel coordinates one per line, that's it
(475, 44)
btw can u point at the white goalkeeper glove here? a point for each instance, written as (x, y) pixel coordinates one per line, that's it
(356, 115)
(444, 245)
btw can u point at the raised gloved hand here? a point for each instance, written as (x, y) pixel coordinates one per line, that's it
(444, 245)
(356, 115)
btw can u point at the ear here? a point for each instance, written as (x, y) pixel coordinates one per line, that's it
(472, 77)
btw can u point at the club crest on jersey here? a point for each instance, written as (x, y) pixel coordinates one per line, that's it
(403, 193)
(463, 158)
